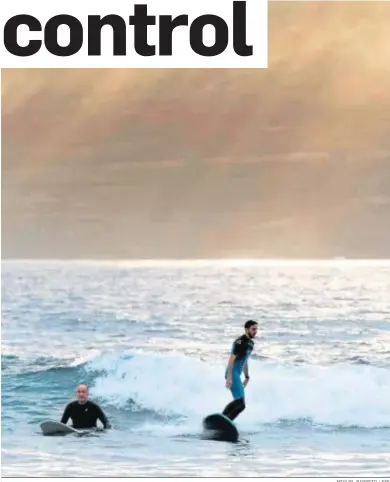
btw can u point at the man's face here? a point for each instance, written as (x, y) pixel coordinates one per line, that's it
(252, 331)
(82, 393)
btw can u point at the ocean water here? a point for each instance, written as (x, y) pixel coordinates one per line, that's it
(152, 342)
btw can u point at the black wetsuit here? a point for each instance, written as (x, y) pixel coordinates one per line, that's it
(84, 415)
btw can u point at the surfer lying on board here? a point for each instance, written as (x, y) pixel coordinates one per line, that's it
(83, 412)
(238, 362)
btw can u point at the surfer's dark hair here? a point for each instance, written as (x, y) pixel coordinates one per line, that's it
(250, 323)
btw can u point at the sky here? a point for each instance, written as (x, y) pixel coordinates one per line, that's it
(292, 161)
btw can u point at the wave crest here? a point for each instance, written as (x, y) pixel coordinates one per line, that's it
(338, 395)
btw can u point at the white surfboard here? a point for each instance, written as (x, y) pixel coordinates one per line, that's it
(50, 427)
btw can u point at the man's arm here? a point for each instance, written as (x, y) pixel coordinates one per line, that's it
(246, 370)
(66, 415)
(102, 417)
(230, 370)
(246, 373)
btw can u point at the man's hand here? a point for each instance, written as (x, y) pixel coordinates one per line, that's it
(228, 382)
(245, 382)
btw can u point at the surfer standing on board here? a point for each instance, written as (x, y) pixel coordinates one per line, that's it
(83, 412)
(238, 362)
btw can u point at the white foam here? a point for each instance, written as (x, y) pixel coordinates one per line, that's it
(342, 394)
(85, 358)
(167, 384)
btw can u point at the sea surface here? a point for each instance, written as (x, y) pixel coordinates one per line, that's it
(152, 341)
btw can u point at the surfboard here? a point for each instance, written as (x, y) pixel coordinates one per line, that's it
(50, 427)
(219, 427)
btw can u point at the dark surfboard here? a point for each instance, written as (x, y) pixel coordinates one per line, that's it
(50, 427)
(219, 427)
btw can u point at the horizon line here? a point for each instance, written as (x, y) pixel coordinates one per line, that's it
(208, 261)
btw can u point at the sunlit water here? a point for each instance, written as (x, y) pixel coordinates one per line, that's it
(152, 342)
